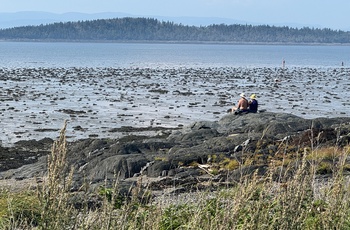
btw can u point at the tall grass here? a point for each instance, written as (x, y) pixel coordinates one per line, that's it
(292, 198)
(53, 195)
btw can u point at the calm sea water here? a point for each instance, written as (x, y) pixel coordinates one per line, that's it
(40, 54)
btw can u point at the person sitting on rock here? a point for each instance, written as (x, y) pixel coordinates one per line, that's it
(253, 104)
(242, 105)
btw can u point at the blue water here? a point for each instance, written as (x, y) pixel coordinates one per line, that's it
(141, 55)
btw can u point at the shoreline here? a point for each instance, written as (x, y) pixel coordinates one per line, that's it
(177, 42)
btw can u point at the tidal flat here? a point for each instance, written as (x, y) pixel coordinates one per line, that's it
(101, 102)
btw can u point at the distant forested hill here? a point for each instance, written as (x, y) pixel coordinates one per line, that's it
(148, 29)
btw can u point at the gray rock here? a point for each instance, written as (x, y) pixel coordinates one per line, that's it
(174, 157)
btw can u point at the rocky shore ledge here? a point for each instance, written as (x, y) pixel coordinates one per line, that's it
(179, 160)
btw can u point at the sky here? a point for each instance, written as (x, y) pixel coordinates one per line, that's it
(332, 14)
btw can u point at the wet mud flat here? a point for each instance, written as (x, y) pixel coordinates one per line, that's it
(116, 102)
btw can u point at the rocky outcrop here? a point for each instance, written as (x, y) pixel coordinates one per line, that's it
(182, 157)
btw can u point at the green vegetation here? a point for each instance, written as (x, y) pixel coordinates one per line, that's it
(293, 200)
(148, 29)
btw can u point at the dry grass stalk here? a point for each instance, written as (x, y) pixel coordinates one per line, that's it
(54, 193)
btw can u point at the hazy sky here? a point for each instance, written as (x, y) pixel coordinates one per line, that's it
(332, 14)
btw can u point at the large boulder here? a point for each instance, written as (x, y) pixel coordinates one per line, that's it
(268, 123)
(276, 124)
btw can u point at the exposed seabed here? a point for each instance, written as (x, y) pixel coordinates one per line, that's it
(95, 101)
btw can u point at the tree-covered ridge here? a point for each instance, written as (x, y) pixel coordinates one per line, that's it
(148, 29)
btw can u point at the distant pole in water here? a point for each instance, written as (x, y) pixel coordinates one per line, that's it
(283, 63)
(342, 63)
